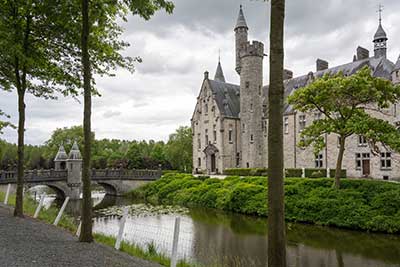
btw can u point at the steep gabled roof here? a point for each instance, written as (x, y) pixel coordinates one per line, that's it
(227, 98)
(219, 74)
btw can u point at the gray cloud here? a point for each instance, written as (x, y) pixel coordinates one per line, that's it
(177, 49)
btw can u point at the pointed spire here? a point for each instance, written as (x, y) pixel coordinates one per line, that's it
(219, 74)
(241, 21)
(61, 154)
(380, 33)
(75, 154)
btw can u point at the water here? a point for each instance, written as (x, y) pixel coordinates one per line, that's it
(216, 238)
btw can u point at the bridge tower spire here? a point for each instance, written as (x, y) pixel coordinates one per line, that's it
(61, 159)
(74, 167)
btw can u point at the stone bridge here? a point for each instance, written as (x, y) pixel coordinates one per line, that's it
(66, 179)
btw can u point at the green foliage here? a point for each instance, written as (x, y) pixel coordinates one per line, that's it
(247, 171)
(179, 149)
(360, 204)
(4, 124)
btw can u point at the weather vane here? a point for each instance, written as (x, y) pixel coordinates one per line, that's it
(380, 10)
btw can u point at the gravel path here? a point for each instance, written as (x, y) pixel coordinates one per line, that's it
(28, 242)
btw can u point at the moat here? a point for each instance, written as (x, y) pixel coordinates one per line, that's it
(215, 238)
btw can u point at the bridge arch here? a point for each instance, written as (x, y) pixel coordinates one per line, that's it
(60, 189)
(110, 187)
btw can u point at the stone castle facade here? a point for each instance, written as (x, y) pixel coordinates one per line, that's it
(230, 121)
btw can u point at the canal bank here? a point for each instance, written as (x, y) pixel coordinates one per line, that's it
(29, 242)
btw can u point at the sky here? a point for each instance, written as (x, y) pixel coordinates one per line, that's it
(176, 49)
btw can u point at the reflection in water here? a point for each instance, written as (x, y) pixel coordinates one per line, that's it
(216, 238)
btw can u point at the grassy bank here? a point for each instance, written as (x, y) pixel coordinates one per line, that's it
(149, 253)
(360, 204)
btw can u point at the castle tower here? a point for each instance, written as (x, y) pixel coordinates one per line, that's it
(241, 36)
(61, 159)
(396, 72)
(251, 105)
(219, 74)
(380, 38)
(74, 167)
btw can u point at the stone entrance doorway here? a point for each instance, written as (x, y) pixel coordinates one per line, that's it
(211, 153)
(366, 166)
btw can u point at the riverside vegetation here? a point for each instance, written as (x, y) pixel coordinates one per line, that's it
(359, 204)
(68, 223)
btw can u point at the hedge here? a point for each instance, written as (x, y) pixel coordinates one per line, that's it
(359, 204)
(291, 172)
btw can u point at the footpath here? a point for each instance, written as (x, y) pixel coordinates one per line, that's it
(28, 242)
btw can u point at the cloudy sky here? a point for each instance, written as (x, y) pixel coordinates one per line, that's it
(176, 50)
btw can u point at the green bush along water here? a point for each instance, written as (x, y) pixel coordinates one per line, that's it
(359, 204)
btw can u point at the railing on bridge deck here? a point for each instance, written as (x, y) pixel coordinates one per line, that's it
(122, 174)
(34, 176)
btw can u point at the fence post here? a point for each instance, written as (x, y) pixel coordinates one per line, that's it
(303, 173)
(39, 207)
(328, 173)
(7, 194)
(174, 255)
(60, 213)
(121, 229)
(78, 232)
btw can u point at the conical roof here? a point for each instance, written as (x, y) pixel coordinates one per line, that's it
(61, 154)
(219, 74)
(380, 33)
(241, 21)
(75, 153)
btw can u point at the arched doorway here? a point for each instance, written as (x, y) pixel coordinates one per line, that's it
(211, 153)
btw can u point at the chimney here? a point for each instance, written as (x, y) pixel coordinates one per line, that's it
(322, 65)
(362, 53)
(206, 75)
(287, 74)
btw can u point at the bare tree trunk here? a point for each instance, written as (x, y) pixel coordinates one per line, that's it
(339, 161)
(276, 211)
(86, 230)
(19, 207)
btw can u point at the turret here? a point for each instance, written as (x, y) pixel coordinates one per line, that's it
(251, 105)
(60, 159)
(74, 167)
(380, 39)
(241, 37)
(396, 72)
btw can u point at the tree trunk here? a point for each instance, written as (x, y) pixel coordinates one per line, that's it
(19, 207)
(276, 211)
(86, 217)
(339, 162)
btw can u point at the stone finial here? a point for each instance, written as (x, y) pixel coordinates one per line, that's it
(206, 73)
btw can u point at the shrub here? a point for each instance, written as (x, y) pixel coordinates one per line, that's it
(293, 172)
(247, 172)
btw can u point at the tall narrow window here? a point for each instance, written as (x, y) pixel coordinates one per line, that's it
(199, 162)
(251, 138)
(215, 134)
(358, 161)
(244, 128)
(251, 107)
(286, 125)
(206, 109)
(386, 160)
(230, 137)
(237, 159)
(302, 122)
(206, 137)
(319, 163)
(362, 141)
(247, 85)
(198, 141)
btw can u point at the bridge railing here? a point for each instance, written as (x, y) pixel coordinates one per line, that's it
(34, 175)
(122, 174)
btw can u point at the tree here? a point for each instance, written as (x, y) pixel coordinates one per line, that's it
(100, 52)
(31, 61)
(4, 124)
(350, 105)
(179, 149)
(276, 212)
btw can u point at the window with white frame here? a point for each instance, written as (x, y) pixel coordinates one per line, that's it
(386, 160)
(319, 161)
(317, 116)
(302, 122)
(362, 141)
(286, 125)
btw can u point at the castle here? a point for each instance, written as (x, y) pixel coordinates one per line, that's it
(230, 121)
